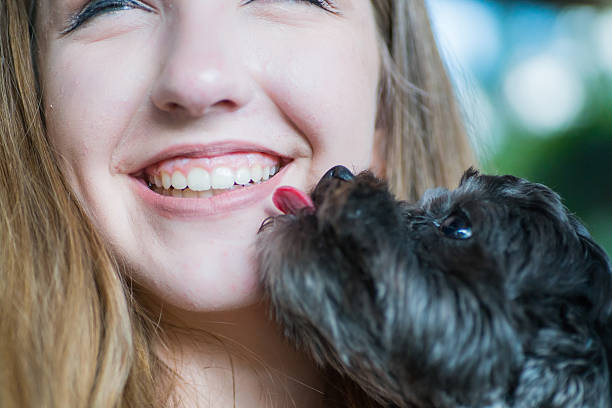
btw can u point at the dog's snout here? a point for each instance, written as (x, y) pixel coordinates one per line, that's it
(339, 172)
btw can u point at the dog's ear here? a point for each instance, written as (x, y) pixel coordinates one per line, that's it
(469, 173)
(599, 270)
(578, 371)
(601, 273)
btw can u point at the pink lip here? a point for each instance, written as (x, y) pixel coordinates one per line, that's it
(208, 150)
(191, 208)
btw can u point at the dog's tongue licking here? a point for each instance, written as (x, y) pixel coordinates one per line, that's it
(289, 200)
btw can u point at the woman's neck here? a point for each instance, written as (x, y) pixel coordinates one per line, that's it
(239, 358)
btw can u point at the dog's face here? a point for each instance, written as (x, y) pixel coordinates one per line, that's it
(489, 294)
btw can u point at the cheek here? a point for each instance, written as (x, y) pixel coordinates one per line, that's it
(89, 101)
(327, 87)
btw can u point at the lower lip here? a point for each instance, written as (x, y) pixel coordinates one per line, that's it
(189, 208)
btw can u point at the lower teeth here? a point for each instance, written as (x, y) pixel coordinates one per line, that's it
(187, 193)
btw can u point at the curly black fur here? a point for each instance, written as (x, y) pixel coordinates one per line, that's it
(491, 295)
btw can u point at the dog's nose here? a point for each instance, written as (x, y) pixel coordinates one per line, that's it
(339, 172)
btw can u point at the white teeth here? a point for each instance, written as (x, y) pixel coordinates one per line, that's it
(222, 178)
(198, 179)
(243, 176)
(199, 183)
(166, 181)
(256, 173)
(179, 181)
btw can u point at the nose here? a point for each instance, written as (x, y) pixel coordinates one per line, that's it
(339, 172)
(201, 67)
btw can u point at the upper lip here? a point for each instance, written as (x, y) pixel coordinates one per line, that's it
(200, 150)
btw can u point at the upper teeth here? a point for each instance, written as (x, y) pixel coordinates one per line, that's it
(199, 179)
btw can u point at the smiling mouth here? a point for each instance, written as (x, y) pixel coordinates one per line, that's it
(206, 177)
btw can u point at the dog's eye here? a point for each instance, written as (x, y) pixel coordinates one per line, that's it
(456, 226)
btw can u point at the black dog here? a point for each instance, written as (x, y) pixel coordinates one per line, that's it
(491, 295)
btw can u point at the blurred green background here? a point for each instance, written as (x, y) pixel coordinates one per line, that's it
(535, 83)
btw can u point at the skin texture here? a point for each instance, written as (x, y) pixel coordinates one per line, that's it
(127, 84)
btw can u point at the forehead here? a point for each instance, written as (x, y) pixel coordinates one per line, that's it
(472, 189)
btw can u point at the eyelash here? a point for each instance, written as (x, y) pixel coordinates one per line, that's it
(325, 4)
(92, 9)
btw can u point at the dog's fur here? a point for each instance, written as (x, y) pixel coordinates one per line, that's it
(391, 295)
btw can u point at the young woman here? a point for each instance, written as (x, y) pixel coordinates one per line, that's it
(141, 143)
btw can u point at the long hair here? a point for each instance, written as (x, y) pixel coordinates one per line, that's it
(71, 332)
(426, 144)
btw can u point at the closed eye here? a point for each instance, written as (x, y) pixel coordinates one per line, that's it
(324, 4)
(95, 8)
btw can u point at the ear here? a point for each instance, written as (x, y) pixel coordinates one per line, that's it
(469, 173)
(577, 371)
(600, 273)
(598, 268)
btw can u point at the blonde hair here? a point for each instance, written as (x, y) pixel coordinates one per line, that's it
(71, 332)
(426, 143)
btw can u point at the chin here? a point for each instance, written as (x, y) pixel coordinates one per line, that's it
(212, 281)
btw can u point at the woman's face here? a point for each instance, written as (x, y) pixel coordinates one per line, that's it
(200, 95)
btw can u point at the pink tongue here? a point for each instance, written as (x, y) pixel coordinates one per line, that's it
(289, 200)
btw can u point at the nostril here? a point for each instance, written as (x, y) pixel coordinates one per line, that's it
(339, 172)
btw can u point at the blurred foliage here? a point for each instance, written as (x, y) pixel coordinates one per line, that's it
(576, 162)
(518, 66)
(563, 3)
